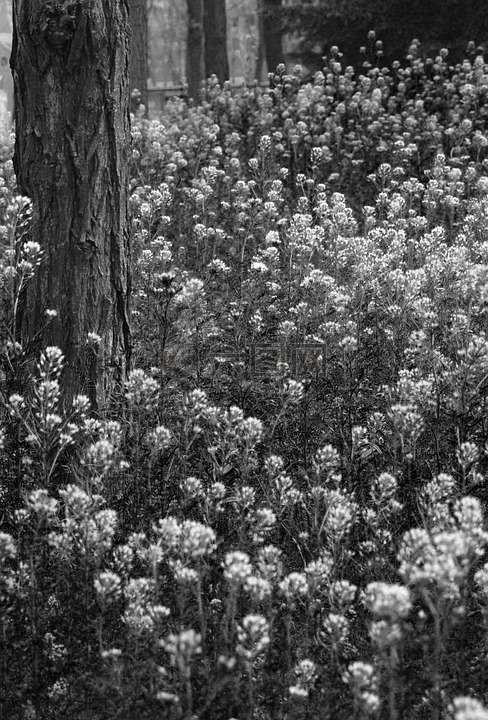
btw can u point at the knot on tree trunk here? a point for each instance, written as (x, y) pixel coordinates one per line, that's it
(57, 23)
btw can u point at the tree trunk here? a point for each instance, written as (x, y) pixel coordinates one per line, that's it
(139, 48)
(195, 69)
(215, 31)
(272, 32)
(70, 61)
(261, 49)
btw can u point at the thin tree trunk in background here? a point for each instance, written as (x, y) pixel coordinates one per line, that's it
(261, 49)
(139, 70)
(70, 62)
(215, 31)
(195, 68)
(272, 32)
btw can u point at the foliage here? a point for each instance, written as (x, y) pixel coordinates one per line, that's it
(282, 513)
(448, 23)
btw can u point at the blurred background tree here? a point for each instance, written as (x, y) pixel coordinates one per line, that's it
(272, 33)
(215, 31)
(195, 47)
(138, 10)
(193, 40)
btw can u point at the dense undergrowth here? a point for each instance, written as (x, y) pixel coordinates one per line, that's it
(283, 516)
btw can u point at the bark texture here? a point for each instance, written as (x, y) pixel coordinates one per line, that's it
(215, 31)
(272, 32)
(195, 68)
(70, 62)
(139, 48)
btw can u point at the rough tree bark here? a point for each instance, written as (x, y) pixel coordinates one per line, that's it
(272, 32)
(139, 48)
(195, 68)
(70, 61)
(215, 31)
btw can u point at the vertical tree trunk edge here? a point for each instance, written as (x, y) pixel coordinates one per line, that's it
(70, 63)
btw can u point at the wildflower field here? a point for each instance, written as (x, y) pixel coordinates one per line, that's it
(281, 515)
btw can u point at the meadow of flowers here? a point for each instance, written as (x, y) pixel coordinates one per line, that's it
(280, 516)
